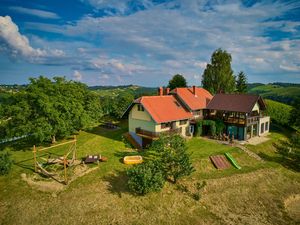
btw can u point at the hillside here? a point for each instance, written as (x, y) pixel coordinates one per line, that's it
(281, 92)
(134, 90)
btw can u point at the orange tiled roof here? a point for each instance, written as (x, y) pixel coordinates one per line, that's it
(164, 108)
(196, 101)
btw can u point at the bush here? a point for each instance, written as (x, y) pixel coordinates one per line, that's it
(5, 163)
(198, 129)
(146, 177)
(220, 126)
(212, 125)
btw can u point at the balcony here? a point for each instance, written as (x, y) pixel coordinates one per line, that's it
(237, 119)
(155, 135)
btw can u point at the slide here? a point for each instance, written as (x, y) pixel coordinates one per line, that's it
(232, 160)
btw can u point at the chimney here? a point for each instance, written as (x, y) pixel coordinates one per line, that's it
(194, 90)
(160, 91)
(167, 91)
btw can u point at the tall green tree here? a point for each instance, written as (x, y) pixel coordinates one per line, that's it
(177, 81)
(218, 75)
(47, 109)
(172, 152)
(120, 103)
(241, 83)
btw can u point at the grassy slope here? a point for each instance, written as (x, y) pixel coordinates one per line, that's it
(253, 195)
(285, 94)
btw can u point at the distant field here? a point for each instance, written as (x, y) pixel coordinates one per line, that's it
(135, 90)
(278, 92)
(281, 92)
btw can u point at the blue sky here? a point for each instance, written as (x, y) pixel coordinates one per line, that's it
(144, 42)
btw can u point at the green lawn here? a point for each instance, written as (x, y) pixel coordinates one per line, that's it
(256, 194)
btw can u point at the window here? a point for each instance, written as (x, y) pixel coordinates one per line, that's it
(262, 126)
(140, 108)
(267, 126)
(197, 113)
(165, 125)
(182, 122)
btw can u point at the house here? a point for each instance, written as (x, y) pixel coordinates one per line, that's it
(243, 114)
(177, 111)
(168, 112)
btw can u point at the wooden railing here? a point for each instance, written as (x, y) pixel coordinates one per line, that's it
(236, 120)
(152, 134)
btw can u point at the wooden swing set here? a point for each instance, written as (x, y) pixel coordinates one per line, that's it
(39, 168)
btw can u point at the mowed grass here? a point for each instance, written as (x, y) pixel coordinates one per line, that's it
(253, 195)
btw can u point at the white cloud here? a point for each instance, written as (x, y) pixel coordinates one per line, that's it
(202, 65)
(289, 67)
(17, 45)
(77, 75)
(35, 12)
(104, 77)
(111, 65)
(120, 7)
(179, 37)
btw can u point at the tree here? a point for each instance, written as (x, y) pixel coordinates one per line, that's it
(146, 177)
(241, 83)
(218, 75)
(295, 119)
(177, 81)
(48, 109)
(172, 152)
(120, 103)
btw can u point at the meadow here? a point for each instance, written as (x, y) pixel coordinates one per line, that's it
(262, 192)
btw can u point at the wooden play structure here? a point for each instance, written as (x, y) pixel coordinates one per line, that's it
(67, 160)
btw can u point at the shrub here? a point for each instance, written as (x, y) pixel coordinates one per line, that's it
(146, 177)
(198, 129)
(220, 126)
(212, 126)
(5, 163)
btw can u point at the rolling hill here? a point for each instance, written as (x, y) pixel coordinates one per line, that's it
(281, 92)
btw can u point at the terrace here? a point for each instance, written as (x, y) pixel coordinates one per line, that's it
(155, 135)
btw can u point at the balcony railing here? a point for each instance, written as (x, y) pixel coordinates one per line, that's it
(249, 120)
(152, 134)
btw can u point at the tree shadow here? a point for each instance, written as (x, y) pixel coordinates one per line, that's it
(117, 183)
(18, 145)
(280, 159)
(25, 165)
(115, 134)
